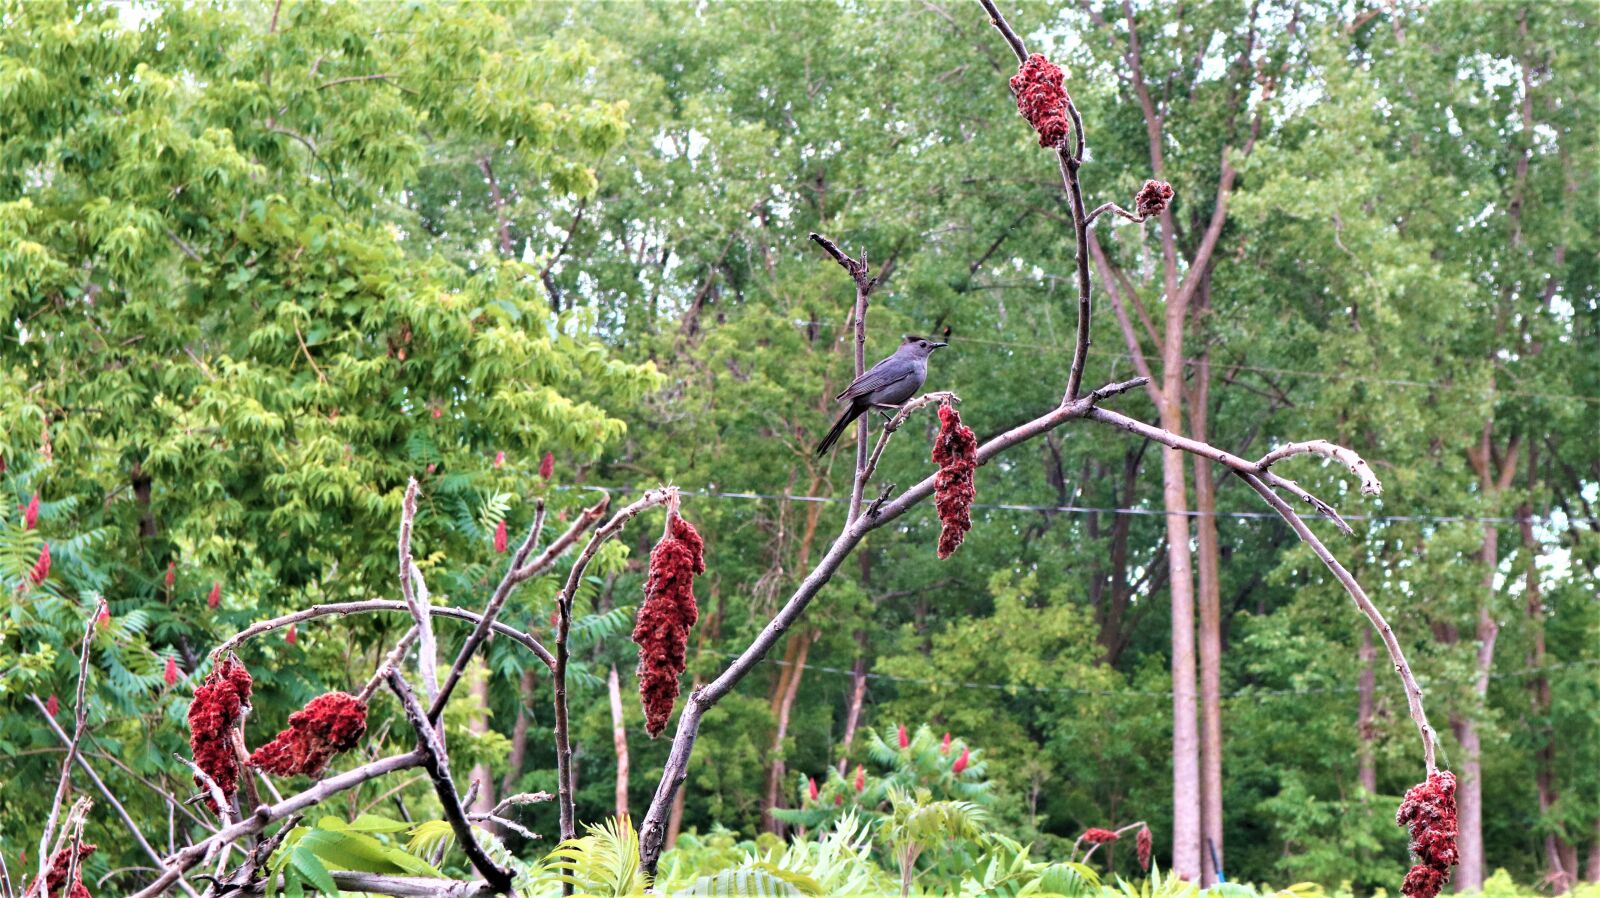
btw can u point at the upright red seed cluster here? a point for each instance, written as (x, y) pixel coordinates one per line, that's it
(961, 763)
(547, 465)
(1041, 99)
(669, 610)
(30, 514)
(905, 741)
(1429, 809)
(215, 597)
(500, 540)
(1097, 836)
(170, 674)
(56, 876)
(1152, 198)
(327, 725)
(861, 778)
(944, 747)
(955, 451)
(220, 703)
(172, 573)
(1144, 843)
(41, 568)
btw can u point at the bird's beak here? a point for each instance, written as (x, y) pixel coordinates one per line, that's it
(939, 345)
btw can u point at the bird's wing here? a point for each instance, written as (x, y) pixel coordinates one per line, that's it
(876, 378)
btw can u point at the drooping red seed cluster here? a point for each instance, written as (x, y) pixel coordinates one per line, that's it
(327, 725)
(220, 703)
(1152, 198)
(1144, 843)
(669, 610)
(1041, 99)
(56, 876)
(961, 763)
(1429, 809)
(955, 451)
(1097, 836)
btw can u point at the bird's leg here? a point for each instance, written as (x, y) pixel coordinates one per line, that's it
(884, 409)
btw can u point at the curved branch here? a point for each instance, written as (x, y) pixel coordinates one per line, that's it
(1370, 485)
(1359, 595)
(368, 606)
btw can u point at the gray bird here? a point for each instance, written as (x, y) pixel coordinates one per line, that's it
(887, 384)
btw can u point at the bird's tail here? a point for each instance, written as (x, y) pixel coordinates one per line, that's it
(850, 414)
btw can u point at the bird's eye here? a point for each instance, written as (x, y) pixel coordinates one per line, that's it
(922, 343)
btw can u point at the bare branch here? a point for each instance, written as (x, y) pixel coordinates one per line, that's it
(564, 780)
(897, 421)
(1370, 484)
(105, 791)
(652, 831)
(1117, 210)
(516, 572)
(371, 605)
(437, 763)
(1359, 595)
(398, 886)
(265, 816)
(999, 22)
(81, 709)
(859, 273)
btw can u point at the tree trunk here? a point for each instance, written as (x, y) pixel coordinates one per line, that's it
(1185, 727)
(1207, 563)
(1562, 875)
(1592, 869)
(619, 737)
(777, 771)
(519, 732)
(1470, 793)
(478, 724)
(858, 695)
(1366, 730)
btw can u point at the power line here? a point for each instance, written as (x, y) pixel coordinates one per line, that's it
(1264, 369)
(1148, 693)
(1074, 509)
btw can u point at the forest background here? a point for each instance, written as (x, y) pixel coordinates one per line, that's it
(260, 264)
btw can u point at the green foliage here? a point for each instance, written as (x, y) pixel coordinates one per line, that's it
(367, 844)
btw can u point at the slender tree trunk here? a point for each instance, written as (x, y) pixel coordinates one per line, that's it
(619, 738)
(1366, 730)
(1592, 868)
(478, 724)
(1207, 563)
(1562, 873)
(778, 770)
(519, 732)
(858, 695)
(1470, 794)
(1185, 726)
